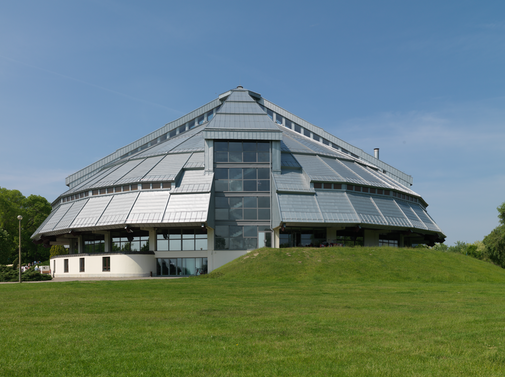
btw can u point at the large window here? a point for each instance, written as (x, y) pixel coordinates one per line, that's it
(181, 266)
(238, 179)
(242, 151)
(237, 237)
(383, 242)
(130, 243)
(243, 208)
(182, 239)
(65, 265)
(292, 237)
(94, 243)
(81, 264)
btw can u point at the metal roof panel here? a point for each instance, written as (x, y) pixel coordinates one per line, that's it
(149, 207)
(239, 96)
(118, 209)
(242, 122)
(287, 160)
(195, 161)
(316, 169)
(241, 108)
(91, 212)
(56, 217)
(411, 215)
(71, 214)
(336, 207)
(117, 174)
(193, 181)
(194, 143)
(187, 208)
(292, 181)
(168, 168)
(425, 218)
(366, 209)
(299, 208)
(137, 173)
(391, 212)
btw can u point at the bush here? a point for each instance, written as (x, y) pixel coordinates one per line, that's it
(11, 274)
(32, 275)
(475, 250)
(8, 273)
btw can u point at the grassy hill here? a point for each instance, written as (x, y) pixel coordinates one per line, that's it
(288, 312)
(359, 264)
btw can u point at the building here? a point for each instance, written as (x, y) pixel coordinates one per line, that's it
(236, 174)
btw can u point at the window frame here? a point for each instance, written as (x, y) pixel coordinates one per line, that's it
(105, 264)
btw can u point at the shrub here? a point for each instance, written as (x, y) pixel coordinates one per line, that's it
(11, 274)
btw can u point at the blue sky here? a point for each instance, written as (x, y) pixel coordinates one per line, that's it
(423, 81)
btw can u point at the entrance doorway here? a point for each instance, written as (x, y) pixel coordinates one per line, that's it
(264, 239)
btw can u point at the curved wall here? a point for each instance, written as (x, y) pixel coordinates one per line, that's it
(121, 265)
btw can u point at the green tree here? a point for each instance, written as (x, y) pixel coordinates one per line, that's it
(5, 246)
(57, 250)
(495, 244)
(34, 210)
(495, 241)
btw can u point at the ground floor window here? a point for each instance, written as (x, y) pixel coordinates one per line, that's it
(181, 266)
(292, 237)
(106, 264)
(81, 264)
(393, 243)
(348, 241)
(65, 265)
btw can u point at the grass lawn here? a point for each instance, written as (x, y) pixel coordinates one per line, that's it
(287, 312)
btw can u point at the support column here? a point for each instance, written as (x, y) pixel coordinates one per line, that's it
(210, 249)
(107, 240)
(276, 157)
(153, 240)
(209, 156)
(276, 243)
(80, 245)
(371, 237)
(401, 241)
(331, 235)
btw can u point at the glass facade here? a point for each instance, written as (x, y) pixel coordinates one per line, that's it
(242, 208)
(242, 179)
(181, 266)
(94, 243)
(241, 193)
(293, 237)
(237, 237)
(181, 239)
(241, 151)
(130, 243)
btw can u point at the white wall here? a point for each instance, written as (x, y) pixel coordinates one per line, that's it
(121, 265)
(132, 265)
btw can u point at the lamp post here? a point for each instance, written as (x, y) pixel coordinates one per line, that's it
(19, 258)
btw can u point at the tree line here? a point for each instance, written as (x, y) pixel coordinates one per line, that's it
(34, 210)
(491, 248)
